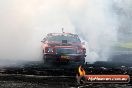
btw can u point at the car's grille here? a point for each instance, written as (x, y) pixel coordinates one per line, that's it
(65, 51)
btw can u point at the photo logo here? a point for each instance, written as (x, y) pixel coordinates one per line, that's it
(82, 78)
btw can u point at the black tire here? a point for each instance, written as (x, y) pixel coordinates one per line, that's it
(82, 60)
(45, 59)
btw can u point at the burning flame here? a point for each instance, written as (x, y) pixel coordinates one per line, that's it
(81, 71)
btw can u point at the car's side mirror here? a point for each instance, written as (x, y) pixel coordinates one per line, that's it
(43, 40)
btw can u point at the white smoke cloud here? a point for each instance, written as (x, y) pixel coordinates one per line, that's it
(124, 11)
(97, 24)
(24, 23)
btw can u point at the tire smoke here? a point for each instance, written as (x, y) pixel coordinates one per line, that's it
(24, 23)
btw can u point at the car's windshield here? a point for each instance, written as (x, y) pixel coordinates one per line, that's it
(62, 37)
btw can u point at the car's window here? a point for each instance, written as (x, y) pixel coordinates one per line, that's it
(63, 37)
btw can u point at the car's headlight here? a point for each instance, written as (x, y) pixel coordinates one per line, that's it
(50, 50)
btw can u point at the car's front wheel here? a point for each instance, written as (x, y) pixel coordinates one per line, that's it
(45, 59)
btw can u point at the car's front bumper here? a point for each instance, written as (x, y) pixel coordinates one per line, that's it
(65, 57)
